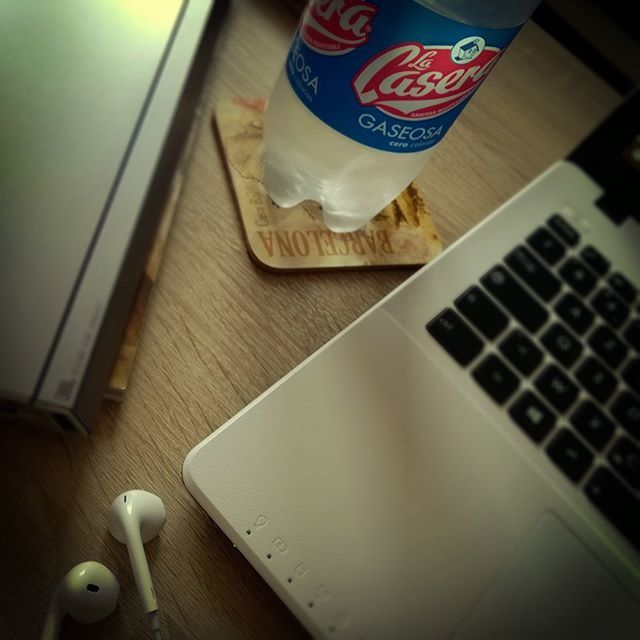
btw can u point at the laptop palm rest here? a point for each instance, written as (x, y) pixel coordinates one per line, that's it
(370, 494)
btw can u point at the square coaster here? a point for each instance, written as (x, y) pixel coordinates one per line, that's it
(402, 234)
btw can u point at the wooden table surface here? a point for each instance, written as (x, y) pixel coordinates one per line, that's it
(219, 331)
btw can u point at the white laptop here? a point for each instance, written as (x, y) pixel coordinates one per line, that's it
(463, 460)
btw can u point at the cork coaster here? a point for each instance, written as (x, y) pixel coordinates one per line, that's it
(402, 234)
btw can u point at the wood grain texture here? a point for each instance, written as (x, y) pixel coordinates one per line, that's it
(219, 331)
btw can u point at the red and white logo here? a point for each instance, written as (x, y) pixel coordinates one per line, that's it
(336, 27)
(413, 81)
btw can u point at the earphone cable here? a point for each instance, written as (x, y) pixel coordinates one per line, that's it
(154, 625)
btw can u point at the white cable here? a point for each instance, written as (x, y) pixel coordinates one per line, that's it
(154, 625)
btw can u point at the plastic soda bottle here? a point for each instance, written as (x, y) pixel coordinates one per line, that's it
(367, 91)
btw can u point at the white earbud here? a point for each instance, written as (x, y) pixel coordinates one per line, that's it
(88, 593)
(135, 517)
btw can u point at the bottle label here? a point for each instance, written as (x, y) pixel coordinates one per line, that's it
(390, 74)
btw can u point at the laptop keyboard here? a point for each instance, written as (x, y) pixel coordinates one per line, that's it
(552, 333)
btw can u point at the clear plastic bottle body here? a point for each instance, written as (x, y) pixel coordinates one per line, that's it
(308, 160)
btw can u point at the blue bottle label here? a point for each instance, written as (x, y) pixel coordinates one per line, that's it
(389, 74)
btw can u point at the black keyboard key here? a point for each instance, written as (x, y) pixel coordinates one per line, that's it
(533, 272)
(621, 285)
(610, 307)
(455, 335)
(545, 244)
(592, 424)
(595, 260)
(562, 344)
(515, 298)
(632, 334)
(577, 276)
(625, 459)
(631, 374)
(496, 378)
(608, 346)
(485, 316)
(574, 312)
(569, 454)
(596, 379)
(616, 503)
(564, 230)
(556, 388)
(521, 352)
(626, 410)
(532, 416)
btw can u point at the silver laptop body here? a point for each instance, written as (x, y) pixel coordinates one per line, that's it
(392, 488)
(96, 102)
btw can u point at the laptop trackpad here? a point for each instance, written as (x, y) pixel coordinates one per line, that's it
(552, 588)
